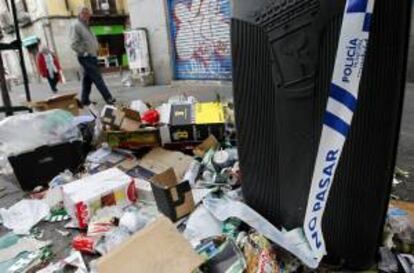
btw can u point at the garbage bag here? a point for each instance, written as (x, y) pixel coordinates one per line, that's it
(29, 131)
(26, 132)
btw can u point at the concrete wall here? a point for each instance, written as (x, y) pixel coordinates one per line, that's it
(152, 15)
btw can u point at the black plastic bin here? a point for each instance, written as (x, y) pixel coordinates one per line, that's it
(283, 58)
(38, 167)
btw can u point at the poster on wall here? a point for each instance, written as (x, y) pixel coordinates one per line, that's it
(200, 37)
(136, 46)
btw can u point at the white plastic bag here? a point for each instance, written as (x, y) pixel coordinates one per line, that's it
(24, 215)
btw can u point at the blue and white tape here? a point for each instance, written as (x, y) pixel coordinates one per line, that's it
(342, 103)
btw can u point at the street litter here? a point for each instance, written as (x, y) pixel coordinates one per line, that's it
(108, 188)
(74, 260)
(22, 245)
(174, 199)
(157, 248)
(24, 215)
(161, 192)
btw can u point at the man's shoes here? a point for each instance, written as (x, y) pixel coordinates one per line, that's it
(111, 101)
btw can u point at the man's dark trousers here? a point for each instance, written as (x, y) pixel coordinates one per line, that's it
(92, 74)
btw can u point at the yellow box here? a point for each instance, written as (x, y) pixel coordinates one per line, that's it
(209, 113)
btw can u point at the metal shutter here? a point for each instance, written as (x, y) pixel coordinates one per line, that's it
(200, 36)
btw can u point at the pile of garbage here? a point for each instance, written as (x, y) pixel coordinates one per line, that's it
(140, 188)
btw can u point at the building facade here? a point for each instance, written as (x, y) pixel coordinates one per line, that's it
(49, 22)
(189, 39)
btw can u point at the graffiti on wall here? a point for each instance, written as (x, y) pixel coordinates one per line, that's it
(201, 38)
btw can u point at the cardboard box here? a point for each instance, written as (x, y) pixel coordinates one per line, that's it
(195, 123)
(181, 123)
(175, 200)
(108, 188)
(142, 177)
(66, 102)
(124, 119)
(147, 137)
(158, 248)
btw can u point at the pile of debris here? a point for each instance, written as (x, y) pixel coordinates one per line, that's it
(144, 189)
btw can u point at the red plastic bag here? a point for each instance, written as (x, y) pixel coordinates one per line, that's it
(151, 117)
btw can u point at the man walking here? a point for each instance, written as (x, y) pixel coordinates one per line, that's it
(86, 46)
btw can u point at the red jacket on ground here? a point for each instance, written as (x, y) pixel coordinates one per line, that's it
(42, 67)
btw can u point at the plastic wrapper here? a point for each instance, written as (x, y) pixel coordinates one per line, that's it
(401, 224)
(151, 117)
(260, 256)
(29, 131)
(104, 221)
(223, 256)
(85, 244)
(139, 106)
(112, 240)
(26, 132)
(201, 225)
(388, 261)
(24, 215)
(133, 220)
(62, 179)
(224, 208)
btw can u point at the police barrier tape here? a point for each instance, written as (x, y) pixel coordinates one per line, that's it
(342, 103)
(307, 243)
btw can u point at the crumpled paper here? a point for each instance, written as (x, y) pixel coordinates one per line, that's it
(24, 215)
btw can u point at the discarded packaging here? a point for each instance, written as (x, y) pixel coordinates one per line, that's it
(74, 260)
(151, 117)
(388, 262)
(224, 256)
(85, 244)
(195, 122)
(159, 247)
(108, 188)
(139, 106)
(104, 221)
(22, 245)
(208, 144)
(201, 225)
(224, 208)
(112, 240)
(133, 221)
(159, 160)
(24, 215)
(67, 102)
(260, 256)
(40, 129)
(174, 199)
(124, 119)
(146, 137)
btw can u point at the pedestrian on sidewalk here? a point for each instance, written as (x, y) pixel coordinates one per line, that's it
(86, 46)
(49, 67)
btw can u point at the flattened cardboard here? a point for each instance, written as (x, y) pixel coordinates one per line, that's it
(66, 102)
(158, 248)
(159, 160)
(210, 143)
